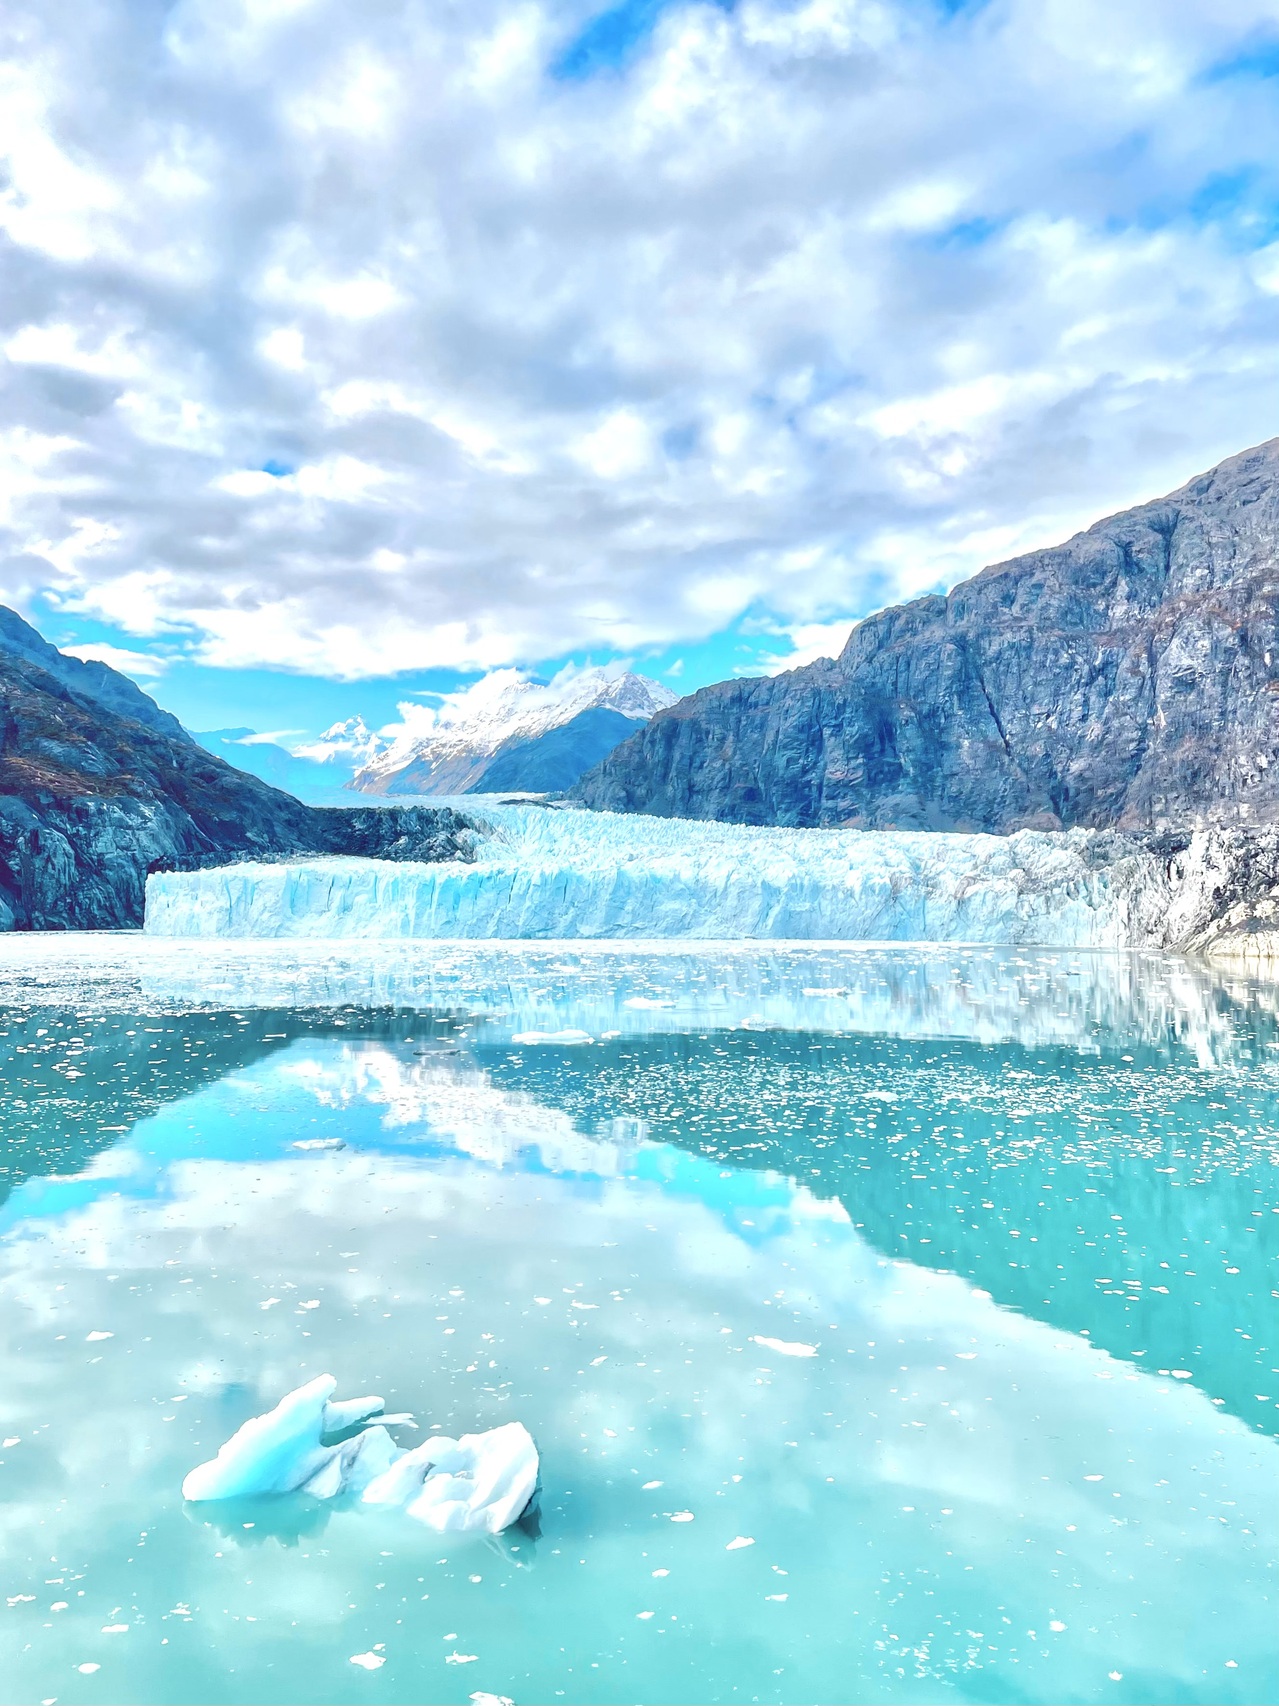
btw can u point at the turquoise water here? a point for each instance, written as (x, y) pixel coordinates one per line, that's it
(893, 1325)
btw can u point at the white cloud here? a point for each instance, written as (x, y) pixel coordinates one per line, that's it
(808, 642)
(809, 307)
(121, 658)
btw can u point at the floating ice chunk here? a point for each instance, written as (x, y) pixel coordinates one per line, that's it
(367, 1661)
(403, 1476)
(375, 1452)
(284, 1450)
(785, 1347)
(552, 1037)
(479, 1484)
(341, 1413)
(308, 1143)
(482, 1485)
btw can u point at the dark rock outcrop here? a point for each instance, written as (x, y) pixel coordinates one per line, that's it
(92, 798)
(1128, 678)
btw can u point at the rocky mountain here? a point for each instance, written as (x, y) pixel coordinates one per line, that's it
(89, 680)
(96, 791)
(511, 732)
(1128, 678)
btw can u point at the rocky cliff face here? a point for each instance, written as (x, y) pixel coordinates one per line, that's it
(93, 798)
(1128, 678)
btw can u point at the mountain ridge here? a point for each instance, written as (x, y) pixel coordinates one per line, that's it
(1127, 678)
(499, 723)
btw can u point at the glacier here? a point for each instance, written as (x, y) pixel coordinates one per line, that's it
(478, 1484)
(541, 873)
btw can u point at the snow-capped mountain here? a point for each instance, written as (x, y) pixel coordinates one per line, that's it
(312, 771)
(511, 732)
(351, 743)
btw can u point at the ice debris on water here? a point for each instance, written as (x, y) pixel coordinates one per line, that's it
(552, 1037)
(478, 1484)
(785, 1347)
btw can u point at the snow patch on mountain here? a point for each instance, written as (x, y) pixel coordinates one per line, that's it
(447, 748)
(350, 742)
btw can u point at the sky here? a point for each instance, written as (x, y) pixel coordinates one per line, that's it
(349, 352)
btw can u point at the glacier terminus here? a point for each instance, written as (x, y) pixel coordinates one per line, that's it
(539, 873)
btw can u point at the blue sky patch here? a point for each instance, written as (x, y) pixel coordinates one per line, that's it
(1259, 59)
(611, 39)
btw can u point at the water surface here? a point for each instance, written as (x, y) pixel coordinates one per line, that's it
(894, 1325)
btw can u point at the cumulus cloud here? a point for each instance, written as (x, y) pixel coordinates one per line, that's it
(356, 340)
(120, 657)
(808, 642)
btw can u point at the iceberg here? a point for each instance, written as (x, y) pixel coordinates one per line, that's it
(478, 1484)
(542, 873)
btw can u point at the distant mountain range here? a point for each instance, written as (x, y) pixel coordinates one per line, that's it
(513, 733)
(312, 772)
(508, 733)
(1127, 679)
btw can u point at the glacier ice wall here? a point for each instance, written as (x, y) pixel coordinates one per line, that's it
(571, 874)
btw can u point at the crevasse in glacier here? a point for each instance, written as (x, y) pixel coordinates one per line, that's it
(542, 873)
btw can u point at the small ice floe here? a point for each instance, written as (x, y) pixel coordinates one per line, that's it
(552, 1037)
(97, 1337)
(785, 1347)
(478, 1484)
(827, 994)
(742, 1540)
(367, 1661)
(644, 1004)
(309, 1143)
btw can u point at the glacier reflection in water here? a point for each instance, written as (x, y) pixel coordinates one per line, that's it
(1018, 1207)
